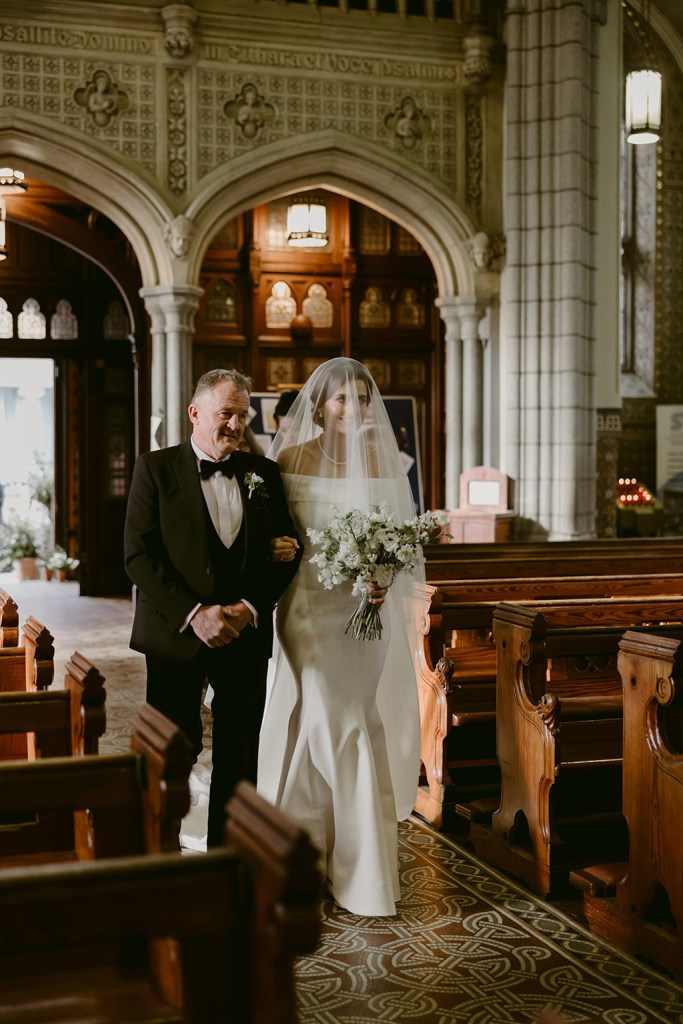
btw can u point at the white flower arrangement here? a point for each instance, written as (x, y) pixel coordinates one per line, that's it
(368, 547)
(255, 485)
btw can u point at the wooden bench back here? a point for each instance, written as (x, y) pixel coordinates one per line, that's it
(651, 669)
(29, 667)
(9, 621)
(98, 806)
(559, 730)
(556, 558)
(236, 917)
(456, 668)
(638, 904)
(55, 723)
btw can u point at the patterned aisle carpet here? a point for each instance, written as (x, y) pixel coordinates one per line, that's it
(471, 947)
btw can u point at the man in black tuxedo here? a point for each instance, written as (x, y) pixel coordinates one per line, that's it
(197, 542)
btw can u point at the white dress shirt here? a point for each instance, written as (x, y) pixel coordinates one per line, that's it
(224, 501)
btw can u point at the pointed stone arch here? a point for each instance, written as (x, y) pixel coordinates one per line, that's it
(91, 173)
(362, 171)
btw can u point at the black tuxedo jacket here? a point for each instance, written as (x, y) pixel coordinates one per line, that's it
(167, 550)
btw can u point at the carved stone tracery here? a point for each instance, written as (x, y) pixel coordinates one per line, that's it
(177, 132)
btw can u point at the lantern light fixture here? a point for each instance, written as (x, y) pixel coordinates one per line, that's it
(643, 113)
(12, 182)
(307, 223)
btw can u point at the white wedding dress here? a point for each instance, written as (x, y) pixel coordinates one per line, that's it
(339, 748)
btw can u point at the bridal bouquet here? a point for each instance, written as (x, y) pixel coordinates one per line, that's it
(368, 547)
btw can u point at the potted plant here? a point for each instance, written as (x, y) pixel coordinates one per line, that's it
(21, 542)
(60, 563)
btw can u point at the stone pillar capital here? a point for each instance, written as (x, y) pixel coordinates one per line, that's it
(172, 307)
(462, 316)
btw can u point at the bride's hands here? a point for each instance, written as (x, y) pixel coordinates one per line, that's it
(376, 594)
(283, 549)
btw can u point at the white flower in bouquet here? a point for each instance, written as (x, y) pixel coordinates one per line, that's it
(369, 547)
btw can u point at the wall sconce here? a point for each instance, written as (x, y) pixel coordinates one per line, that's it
(643, 111)
(307, 223)
(11, 182)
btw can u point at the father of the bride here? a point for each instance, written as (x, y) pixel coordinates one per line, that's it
(200, 519)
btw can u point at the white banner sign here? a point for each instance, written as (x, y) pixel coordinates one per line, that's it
(669, 443)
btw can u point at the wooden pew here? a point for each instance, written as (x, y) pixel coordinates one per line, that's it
(456, 676)
(236, 918)
(9, 621)
(456, 695)
(638, 904)
(80, 808)
(553, 558)
(29, 667)
(559, 735)
(57, 723)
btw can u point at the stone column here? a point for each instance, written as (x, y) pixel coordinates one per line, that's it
(157, 432)
(172, 309)
(550, 216)
(472, 386)
(448, 308)
(464, 394)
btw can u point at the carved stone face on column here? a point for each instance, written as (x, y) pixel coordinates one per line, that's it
(480, 250)
(177, 235)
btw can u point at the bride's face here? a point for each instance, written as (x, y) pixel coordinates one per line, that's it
(346, 407)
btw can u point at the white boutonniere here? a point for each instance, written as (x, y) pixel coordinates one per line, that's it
(255, 485)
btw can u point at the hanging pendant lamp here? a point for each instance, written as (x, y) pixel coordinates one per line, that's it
(643, 111)
(12, 182)
(307, 223)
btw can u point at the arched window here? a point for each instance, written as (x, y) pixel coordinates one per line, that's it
(63, 322)
(280, 306)
(374, 312)
(220, 304)
(409, 311)
(6, 321)
(31, 322)
(318, 307)
(116, 325)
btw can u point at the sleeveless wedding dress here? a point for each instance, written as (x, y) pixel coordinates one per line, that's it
(339, 750)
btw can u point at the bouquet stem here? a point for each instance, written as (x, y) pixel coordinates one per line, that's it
(365, 623)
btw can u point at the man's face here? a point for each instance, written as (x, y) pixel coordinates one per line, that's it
(218, 420)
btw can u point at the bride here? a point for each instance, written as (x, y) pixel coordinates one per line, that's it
(340, 737)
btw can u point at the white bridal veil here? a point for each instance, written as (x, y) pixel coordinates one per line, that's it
(338, 429)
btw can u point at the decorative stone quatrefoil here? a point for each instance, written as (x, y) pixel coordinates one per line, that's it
(250, 111)
(102, 98)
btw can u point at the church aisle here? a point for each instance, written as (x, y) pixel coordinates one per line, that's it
(468, 945)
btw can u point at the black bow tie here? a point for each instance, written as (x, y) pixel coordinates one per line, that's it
(207, 468)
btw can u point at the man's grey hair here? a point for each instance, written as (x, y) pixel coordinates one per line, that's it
(213, 378)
